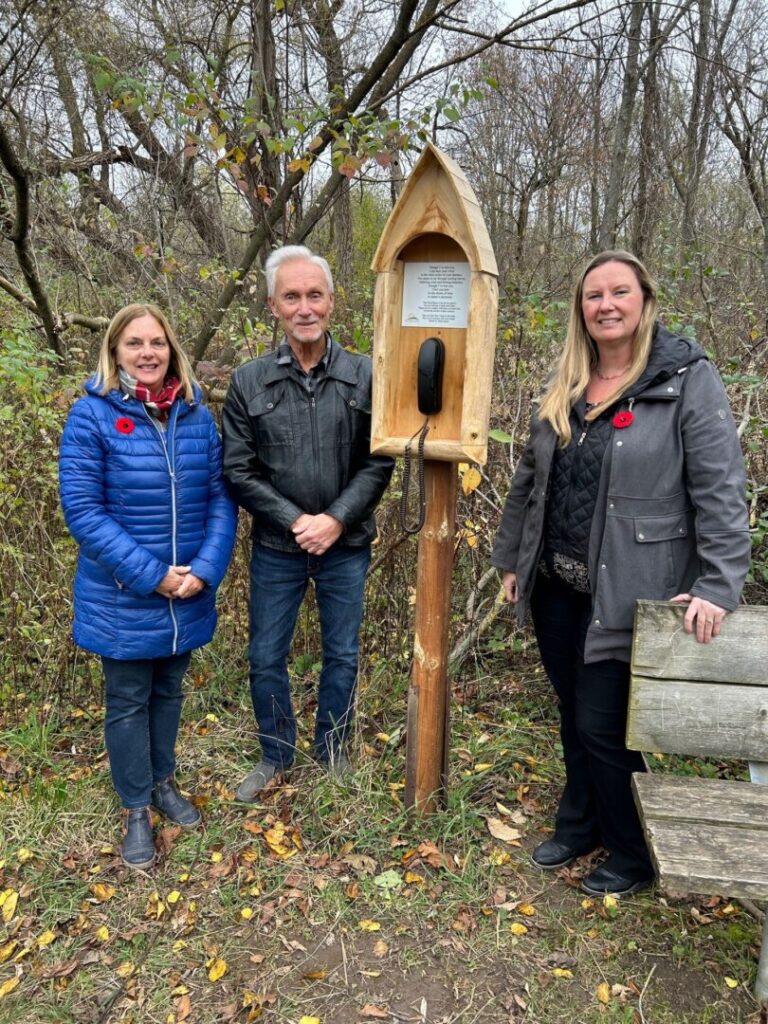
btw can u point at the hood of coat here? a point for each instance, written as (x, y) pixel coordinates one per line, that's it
(669, 354)
(120, 401)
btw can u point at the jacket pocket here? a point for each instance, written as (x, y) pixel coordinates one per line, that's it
(641, 557)
(270, 413)
(353, 414)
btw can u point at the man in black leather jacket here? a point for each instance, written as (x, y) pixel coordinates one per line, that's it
(297, 455)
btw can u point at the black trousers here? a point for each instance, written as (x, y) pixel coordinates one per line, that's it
(597, 804)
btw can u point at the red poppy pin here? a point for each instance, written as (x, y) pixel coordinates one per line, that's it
(623, 418)
(125, 425)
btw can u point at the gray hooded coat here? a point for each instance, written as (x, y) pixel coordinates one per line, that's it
(671, 514)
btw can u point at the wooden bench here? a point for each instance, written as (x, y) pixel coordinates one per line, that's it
(706, 836)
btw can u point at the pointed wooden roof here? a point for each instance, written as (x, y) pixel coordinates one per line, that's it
(436, 198)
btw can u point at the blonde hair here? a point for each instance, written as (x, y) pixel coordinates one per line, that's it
(107, 376)
(580, 352)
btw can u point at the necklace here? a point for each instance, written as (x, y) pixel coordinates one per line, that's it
(613, 376)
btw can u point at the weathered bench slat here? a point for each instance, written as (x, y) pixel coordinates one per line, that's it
(685, 798)
(662, 648)
(701, 718)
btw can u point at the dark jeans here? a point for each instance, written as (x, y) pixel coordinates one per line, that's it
(597, 804)
(143, 699)
(279, 581)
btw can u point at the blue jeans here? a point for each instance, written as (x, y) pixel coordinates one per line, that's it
(143, 699)
(278, 584)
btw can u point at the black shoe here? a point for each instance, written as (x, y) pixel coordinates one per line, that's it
(138, 849)
(550, 854)
(167, 799)
(604, 882)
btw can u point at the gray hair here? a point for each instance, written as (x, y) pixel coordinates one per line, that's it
(285, 254)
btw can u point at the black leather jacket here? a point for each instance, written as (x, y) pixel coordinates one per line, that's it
(287, 451)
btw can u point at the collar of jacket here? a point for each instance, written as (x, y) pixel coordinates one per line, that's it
(122, 402)
(341, 367)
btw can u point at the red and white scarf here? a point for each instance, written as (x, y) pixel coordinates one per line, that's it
(157, 402)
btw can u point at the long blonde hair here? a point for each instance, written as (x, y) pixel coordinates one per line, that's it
(580, 352)
(107, 376)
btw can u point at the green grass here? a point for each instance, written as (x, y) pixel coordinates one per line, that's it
(328, 898)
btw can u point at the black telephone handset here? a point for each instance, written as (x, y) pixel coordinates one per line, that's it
(430, 376)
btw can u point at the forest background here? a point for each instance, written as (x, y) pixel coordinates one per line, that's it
(158, 151)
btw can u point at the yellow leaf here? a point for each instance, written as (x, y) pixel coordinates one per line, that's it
(518, 928)
(180, 990)
(482, 767)
(587, 903)
(246, 913)
(497, 857)
(178, 945)
(173, 897)
(103, 891)
(731, 982)
(610, 902)
(527, 909)
(217, 857)
(413, 878)
(126, 969)
(8, 986)
(603, 992)
(46, 938)
(102, 934)
(6, 951)
(217, 969)
(184, 876)
(562, 972)
(9, 904)
(370, 926)
(309, 1020)
(470, 480)
(24, 855)
(315, 975)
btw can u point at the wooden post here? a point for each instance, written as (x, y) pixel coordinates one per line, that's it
(428, 704)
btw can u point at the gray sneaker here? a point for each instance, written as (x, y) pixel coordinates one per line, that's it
(255, 781)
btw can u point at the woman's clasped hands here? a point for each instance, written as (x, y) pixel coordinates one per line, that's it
(180, 582)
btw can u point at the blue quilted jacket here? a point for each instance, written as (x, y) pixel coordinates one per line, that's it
(138, 499)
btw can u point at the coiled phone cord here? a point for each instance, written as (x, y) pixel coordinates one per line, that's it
(414, 527)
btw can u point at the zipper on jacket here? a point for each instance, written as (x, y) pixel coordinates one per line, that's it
(171, 463)
(315, 445)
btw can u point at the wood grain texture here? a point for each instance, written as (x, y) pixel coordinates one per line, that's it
(661, 647)
(706, 835)
(436, 219)
(701, 719)
(426, 751)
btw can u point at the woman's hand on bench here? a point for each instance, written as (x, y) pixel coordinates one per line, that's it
(707, 616)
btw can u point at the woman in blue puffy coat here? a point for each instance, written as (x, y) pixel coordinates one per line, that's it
(144, 497)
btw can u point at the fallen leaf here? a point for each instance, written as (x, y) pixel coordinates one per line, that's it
(388, 880)
(380, 948)
(6, 951)
(103, 891)
(518, 928)
(8, 986)
(8, 900)
(183, 1008)
(126, 969)
(526, 909)
(309, 1020)
(173, 897)
(562, 972)
(24, 855)
(731, 982)
(372, 1010)
(610, 902)
(603, 992)
(370, 926)
(500, 830)
(217, 968)
(102, 934)
(43, 940)
(413, 878)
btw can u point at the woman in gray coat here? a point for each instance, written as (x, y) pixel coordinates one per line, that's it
(631, 486)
